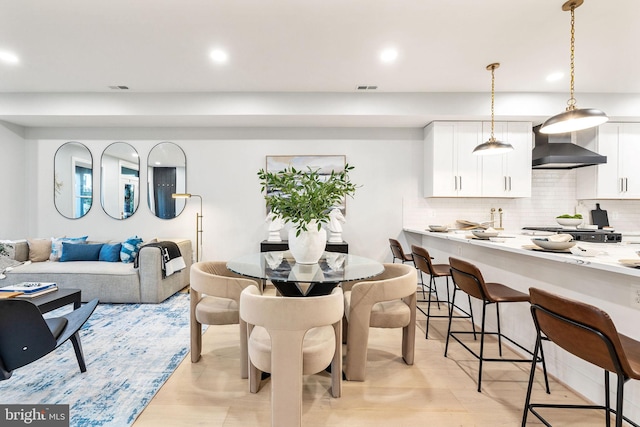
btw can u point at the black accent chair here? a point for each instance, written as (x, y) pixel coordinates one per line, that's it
(26, 336)
(588, 333)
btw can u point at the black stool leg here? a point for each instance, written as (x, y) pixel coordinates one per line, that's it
(527, 400)
(484, 312)
(499, 332)
(446, 346)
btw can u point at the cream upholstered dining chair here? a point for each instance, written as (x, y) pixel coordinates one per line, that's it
(215, 299)
(290, 337)
(385, 301)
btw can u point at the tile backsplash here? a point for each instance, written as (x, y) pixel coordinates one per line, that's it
(553, 193)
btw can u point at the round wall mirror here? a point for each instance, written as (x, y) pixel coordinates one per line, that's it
(73, 180)
(120, 180)
(166, 174)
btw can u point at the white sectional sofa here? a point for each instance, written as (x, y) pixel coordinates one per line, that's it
(110, 282)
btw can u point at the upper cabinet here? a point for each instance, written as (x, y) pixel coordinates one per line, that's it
(452, 170)
(619, 178)
(508, 175)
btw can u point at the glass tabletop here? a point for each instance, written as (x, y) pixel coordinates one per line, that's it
(281, 267)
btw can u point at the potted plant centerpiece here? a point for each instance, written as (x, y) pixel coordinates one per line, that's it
(305, 198)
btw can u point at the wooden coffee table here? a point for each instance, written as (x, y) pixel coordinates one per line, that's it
(56, 299)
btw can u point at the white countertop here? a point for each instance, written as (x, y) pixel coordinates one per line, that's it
(515, 241)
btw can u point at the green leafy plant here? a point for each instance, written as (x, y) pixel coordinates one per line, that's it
(301, 197)
(576, 216)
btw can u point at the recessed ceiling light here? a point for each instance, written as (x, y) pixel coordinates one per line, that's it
(389, 55)
(554, 77)
(219, 56)
(8, 57)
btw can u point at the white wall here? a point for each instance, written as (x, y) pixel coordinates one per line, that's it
(222, 164)
(222, 167)
(15, 177)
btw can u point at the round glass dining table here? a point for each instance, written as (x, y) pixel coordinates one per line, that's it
(293, 279)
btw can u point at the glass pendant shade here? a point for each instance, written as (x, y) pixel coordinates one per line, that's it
(574, 120)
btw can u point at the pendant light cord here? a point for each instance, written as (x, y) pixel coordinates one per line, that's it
(492, 138)
(572, 101)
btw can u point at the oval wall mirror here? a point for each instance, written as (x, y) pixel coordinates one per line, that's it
(120, 180)
(166, 174)
(73, 180)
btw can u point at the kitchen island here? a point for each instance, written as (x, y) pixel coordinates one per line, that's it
(601, 281)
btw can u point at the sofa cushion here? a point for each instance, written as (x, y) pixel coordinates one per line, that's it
(39, 249)
(130, 248)
(110, 252)
(7, 249)
(56, 245)
(7, 255)
(76, 252)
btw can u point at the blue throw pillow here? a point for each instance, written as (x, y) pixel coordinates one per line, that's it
(130, 249)
(110, 252)
(56, 245)
(80, 252)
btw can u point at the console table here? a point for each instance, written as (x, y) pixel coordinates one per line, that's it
(266, 246)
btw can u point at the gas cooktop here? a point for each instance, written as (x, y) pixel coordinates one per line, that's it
(597, 236)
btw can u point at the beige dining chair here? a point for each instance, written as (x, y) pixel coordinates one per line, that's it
(215, 299)
(385, 301)
(291, 337)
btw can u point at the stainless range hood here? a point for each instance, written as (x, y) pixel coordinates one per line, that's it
(558, 152)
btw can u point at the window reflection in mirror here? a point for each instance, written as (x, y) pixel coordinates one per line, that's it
(120, 180)
(166, 174)
(73, 180)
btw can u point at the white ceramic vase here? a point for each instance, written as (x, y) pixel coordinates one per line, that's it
(307, 248)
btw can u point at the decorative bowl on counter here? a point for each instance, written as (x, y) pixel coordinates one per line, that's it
(484, 234)
(438, 228)
(553, 246)
(569, 222)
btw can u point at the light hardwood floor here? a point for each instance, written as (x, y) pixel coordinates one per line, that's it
(435, 391)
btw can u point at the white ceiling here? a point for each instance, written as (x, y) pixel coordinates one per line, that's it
(157, 46)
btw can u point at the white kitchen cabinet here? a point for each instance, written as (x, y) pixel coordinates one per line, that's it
(619, 178)
(451, 170)
(509, 174)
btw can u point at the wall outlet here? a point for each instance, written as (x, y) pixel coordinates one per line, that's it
(635, 296)
(431, 213)
(614, 215)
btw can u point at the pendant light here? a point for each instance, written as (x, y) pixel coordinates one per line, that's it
(573, 118)
(492, 146)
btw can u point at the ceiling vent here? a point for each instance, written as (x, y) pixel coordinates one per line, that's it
(119, 87)
(366, 87)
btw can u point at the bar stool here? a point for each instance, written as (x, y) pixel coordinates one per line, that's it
(588, 333)
(422, 261)
(468, 278)
(398, 253)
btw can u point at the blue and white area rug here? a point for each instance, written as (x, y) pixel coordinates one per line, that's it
(130, 351)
